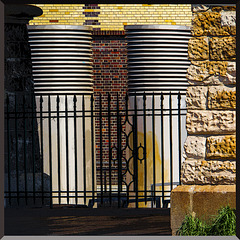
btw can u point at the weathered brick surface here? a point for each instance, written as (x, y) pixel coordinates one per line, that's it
(110, 76)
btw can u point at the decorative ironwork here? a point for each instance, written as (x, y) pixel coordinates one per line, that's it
(143, 143)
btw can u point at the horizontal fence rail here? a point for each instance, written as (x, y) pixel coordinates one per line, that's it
(73, 150)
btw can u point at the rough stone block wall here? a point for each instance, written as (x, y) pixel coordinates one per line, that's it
(114, 16)
(210, 148)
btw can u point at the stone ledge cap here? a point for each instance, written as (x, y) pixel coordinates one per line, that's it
(205, 188)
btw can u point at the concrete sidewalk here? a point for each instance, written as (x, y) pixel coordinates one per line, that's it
(85, 221)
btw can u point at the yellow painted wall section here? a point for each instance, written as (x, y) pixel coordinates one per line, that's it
(114, 16)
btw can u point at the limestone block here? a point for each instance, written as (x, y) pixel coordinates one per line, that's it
(197, 73)
(223, 48)
(228, 18)
(208, 172)
(229, 79)
(198, 48)
(210, 122)
(217, 67)
(221, 147)
(196, 97)
(227, 8)
(195, 147)
(211, 73)
(217, 9)
(211, 24)
(200, 70)
(214, 80)
(200, 7)
(203, 22)
(202, 201)
(231, 73)
(221, 97)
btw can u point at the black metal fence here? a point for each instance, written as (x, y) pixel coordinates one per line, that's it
(58, 151)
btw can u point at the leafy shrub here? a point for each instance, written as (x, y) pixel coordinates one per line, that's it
(192, 226)
(224, 224)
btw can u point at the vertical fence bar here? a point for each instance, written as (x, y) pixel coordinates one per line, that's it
(179, 135)
(84, 149)
(119, 157)
(101, 160)
(16, 135)
(58, 150)
(33, 148)
(110, 150)
(162, 145)
(75, 146)
(135, 147)
(126, 107)
(170, 133)
(127, 120)
(153, 139)
(24, 148)
(120, 149)
(67, 159)
(50, 148)
(41, 136)
(145, 145)
(92, 134)
(9, 162)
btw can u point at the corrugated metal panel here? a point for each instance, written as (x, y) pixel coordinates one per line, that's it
(62, 58)
(157, 57)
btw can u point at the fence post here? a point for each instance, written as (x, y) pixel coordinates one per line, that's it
(162, 146)
(145, 145)
(119, 151)
(50, 148)
(101, 160)
(110, 149)
(135, 148)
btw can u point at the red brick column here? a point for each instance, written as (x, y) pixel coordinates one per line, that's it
(110, 76)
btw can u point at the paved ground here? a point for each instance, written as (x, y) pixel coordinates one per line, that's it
(84, 221)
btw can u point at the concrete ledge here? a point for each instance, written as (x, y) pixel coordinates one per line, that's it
(203, 200)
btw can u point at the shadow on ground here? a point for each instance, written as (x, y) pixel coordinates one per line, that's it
(81, 221)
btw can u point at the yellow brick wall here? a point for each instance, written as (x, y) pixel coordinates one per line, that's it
(115, 16)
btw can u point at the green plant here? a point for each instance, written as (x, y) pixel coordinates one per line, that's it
(192, 226)
(224, 224)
